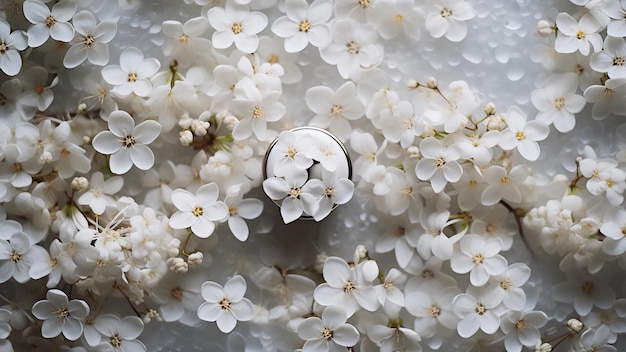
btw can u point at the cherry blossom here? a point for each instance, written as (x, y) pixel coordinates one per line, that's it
(225, 305)
(119, 334)
(480, 258)
(449, 18)
(61, 315)
(12, 43)
(92, 42)
(236, 24)
(558, 102)
(240, 209)
(354, 47)
(17, 255)
(304, 24)
(522, 329)
(439, 164)
(335, 109)
(133, 73)
(523, 135)
(48, 22)
(577, 35)
(127, 143)
(198, 212)
(328, 333)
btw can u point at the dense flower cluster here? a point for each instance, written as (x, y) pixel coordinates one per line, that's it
(128, 166)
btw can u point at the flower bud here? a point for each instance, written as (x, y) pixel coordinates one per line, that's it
(544, 28)
(544, 347)
(185, 123)
(45, 157)
(360, 253)
(574, 325)
(86, 139)
(195, 258)
(490, 109)
(178, 265)
(173, 247)
(230, 122)
(82, 107)
(186, 137)
(495, 122)
(151, 315)
(432, 83)
(413, 151)
(79, 183)
(413, 84)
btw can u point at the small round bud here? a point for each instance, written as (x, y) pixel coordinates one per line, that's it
(360, 252)
(579, 159)
(574, 325)
(186, 137)
(178, 265)
(544, 28)
(495, 123)
(45, 157)
(185, 123)
(151, 315)
(86, 139)
(79, 183)
(195, 258)
(230, 122)
(490, 109)
(82, 107)
(544, 347)
(432, 83)
(173, 247)
(413, 151)
(413, 84)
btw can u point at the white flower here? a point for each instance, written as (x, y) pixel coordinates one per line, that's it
(133, 73)
(432, 308)
(119, 335)
(396, 16)
(127, 143)
(577, 36)
(394, 338)
(329, 333)
(185, 41)
(295, 154)
(348, 287)
(480, 258)
(11, 43)
(235, 23)
(449, 19)
(17, 255)
(596, 340)
(523, 135)
(608, 98)
(585, 291)
(503, 185)
(98, 197)
(199, 211)
(438, 165)
(49, 23)
(240, 209)
(476, 310)
(5, 330)
(354, 48)
(91, 42)
(304, 24)
(616, 10)
(225, 305)
(403, 126)
(61, 315)
(522, 329)
(336, 191)
(256, 109)
(558, 102)
(614, 228)
(612, 58)
(299, 195)
(333, 108)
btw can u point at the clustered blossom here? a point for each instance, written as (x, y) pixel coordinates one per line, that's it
(94, 250)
